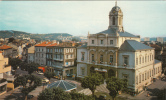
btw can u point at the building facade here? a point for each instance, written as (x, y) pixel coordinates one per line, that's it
(61, 59)
(115, 52)
(6, 79)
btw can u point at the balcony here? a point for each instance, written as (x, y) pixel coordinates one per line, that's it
(3, 82)
(58, 59)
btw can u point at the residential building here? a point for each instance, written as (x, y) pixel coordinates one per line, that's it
(115, 52)
(31, 54)
(82, 55)
(7, 50)
(6, 79)
(146, 39)
(160, 40)
(61, 58)
(40, 53)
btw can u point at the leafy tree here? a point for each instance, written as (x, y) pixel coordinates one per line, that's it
(49, 75)
(47, 94)
(114, 85)
(32, 67)
(92, 81)
(79, 96)
(14, 62)
(29, 83)
(54, 94)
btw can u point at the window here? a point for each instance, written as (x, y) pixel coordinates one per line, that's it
(139, 60)
(150, 57)
(125, 60)
(101, 59)
(48, 50)
(67, 56)
(42, 49)
(145, 58)
(136, 61)
(158, 69)
(113, 22)
(111, 59)
(150, 73)
(83, 71)
(136, 79)
(59, 50)
(51, 50)
(142, 59)
(140, 78)
(42, 55)
(93, 42)
(55, 50)
(66, 63)
(101, 42)
(93, 58)
(111, 42)
(145, 76)
(71, 56)
(82, 58)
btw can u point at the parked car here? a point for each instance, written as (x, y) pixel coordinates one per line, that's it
(45, 80)
(40, 73)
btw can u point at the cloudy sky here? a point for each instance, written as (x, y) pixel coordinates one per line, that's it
(145, 18)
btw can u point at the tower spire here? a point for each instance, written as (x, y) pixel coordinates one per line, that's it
(116, 3)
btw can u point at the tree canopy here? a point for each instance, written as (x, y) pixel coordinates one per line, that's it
(54, 94)
(49, 75)
(29, 83)
(92, 81)
(14, 62)
(114, 85)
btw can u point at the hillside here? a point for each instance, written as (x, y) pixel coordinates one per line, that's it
(20, 35)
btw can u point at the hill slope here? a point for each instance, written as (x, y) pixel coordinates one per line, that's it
(19, 34)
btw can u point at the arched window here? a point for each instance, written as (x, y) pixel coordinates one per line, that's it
(113, 21)
(92, 70)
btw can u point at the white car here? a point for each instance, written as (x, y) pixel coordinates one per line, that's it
(40, 73)
(45, 80)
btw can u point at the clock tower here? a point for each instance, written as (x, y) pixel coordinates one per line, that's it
(116, 18)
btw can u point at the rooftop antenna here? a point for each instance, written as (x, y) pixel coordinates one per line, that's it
(116, 3)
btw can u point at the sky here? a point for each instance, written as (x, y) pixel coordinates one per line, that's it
(144, 18)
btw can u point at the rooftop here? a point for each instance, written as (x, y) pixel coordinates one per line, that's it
(5, 47)
(132, 45)
(66, 86)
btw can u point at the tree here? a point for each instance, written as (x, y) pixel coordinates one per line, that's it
(49, 75)
(92, 81)
(29, 83)
(79, 96)
(114, 85)
(32, 67)
(54, 94)
(14, 62)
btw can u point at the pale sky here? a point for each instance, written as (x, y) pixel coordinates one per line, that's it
(144, 18)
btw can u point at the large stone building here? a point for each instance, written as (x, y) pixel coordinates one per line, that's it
(115, 52)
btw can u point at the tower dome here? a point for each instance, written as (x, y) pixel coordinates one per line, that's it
(116, 18)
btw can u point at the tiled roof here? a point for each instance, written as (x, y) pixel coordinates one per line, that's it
(51, 45)
(5, 47)
(113, 32)
(83, 46)
(66, 86)
(132, 45)
(43, 44)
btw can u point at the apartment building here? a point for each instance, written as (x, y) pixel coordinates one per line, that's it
(6, 79)
(61, 59)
